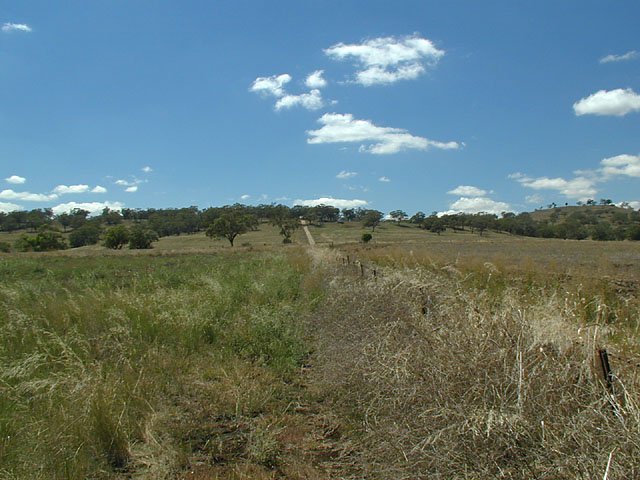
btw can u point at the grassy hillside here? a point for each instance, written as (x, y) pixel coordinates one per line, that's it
(466, 356)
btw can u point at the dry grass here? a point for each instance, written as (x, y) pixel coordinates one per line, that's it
(434, 376)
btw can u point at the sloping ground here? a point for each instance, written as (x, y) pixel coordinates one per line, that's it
(428, 377)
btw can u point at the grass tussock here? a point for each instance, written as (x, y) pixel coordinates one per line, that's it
(146, 366)
(464, 372)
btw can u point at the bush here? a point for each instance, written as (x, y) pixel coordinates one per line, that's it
(5, 247)
(366, 237)
(141, 238)
(45, 241)
(87, 234)
(116, 237)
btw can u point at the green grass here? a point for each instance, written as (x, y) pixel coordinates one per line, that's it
(104, 359)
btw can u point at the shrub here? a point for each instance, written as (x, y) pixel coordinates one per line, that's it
(366, 237)
(87, 234)
(45, 241)
(141, 238)
(5, 247)
(116, 237)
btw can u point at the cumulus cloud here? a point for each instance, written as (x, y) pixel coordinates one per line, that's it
(343, 128)
(344, 175)
(274, 86)
(626, 165)
(618, 102)
(387, 60)
(315, 80)
(620, 58)
(27, 196)
(476, 205)
(98, 189)
(384, 179)
(15, 179)
(310, 101)
(580, 188)
(92, 207)
(635, 204)
(147, 169)
(245, 197)
(271, 85)
(6, 207)
(534, 199)
(467, 191)
(131, 185)
(336, 202)
(15, 27)
(67, 189)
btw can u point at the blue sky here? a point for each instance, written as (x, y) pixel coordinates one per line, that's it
(417, 105)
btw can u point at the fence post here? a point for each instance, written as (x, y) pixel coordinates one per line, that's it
(606, 369)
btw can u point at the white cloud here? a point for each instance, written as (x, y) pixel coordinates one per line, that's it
(310, 101)
(580, 188)
(616, 102)
(634, 204)
(16, 27)
(336, 202)
(147, 169)
(534, 199)
(66, 189)
(627, 165)
(92, 207)
(98, 189)
(344, 175)
(620, 58)
(467, 191)
(343, 128)
(26, 196)
(15, 179)
(271, 85)
(384, 179)
(387, 60)
(476, 205)
(131, 186)
(9, 207)
(315, 80)
(245, 197)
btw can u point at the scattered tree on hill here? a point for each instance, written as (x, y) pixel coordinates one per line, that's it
(230, 224)
(418, 218)
(116, 237)
(372, 218)
(111, 217)
(398, 215)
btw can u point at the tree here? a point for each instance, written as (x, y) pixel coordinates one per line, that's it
(398, 215)
(229, 225)
(116, 237)
(437, 226)
(418, 218)
(111, 217)
(349, 214)
(141, 238)
(372, 218)
(88, 234)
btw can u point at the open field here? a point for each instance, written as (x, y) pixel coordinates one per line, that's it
(465, 357)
